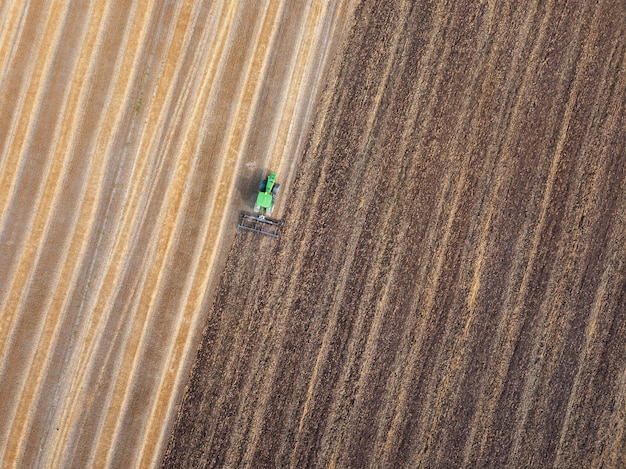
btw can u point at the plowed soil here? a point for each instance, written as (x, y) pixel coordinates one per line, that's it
(450, 289)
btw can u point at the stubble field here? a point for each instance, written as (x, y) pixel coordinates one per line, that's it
(450, 288)
(131, 134)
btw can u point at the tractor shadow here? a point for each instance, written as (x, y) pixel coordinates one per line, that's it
(247, 186)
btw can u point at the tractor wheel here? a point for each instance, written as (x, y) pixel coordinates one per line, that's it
(262, 186)
(275, 189)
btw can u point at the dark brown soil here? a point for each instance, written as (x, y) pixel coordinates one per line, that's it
(450, 288)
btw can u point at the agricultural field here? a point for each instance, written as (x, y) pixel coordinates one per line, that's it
(450, 287)
(132, 133)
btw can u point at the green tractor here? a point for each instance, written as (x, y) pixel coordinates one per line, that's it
(259, 221)
(265, 199)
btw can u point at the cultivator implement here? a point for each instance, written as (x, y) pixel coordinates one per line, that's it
(260, 224)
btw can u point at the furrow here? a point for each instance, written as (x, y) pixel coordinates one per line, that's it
(11, 25)
(21, 83)
(10, 235)
(43, 360)
(95, 318)
(542, 230)
(99, 229)
(339, 288)
(27, 326)
(146, 349)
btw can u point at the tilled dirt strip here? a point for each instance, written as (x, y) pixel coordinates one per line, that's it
(449, 291)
